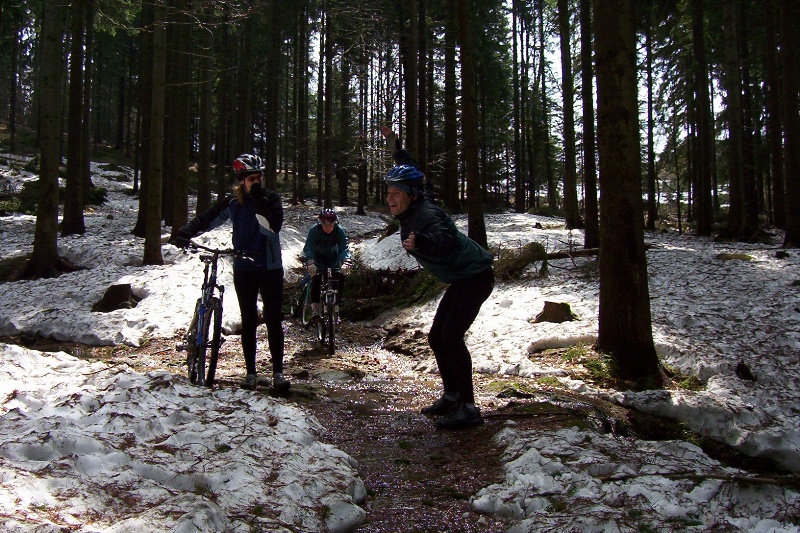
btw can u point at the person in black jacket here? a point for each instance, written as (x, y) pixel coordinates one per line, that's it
(257, 216)
(429, 235)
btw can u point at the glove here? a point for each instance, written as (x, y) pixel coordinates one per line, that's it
(181, 240)
(312, 268)
(257, 191)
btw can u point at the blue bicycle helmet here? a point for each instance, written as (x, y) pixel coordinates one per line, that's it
(407, 178)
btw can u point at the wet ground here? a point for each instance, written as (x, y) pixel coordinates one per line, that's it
(418, 478)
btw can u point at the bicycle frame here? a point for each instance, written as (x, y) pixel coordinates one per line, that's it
(205, 328)
(326, 327)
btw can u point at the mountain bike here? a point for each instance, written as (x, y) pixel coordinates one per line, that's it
(204, 335)
(300, 302)
(328, 310)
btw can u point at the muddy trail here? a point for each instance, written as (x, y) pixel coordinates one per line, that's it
(417, 478)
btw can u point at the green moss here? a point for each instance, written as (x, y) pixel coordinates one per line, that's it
(731, 257)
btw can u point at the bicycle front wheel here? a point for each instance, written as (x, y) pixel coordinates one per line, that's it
(214, 318)
(305, 304)
(205, 343)
(331, 320)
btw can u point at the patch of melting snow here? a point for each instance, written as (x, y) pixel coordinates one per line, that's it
(79, 437)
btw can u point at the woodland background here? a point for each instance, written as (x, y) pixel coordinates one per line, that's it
(679, 113)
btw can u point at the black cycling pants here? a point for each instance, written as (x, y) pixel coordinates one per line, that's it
(316, 281)
(457, 311)
(248, 285)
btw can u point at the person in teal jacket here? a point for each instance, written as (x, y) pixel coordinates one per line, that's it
(256, 215)
(429, 235)
(326, 247)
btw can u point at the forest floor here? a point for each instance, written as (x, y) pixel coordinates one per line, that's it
(368, 400)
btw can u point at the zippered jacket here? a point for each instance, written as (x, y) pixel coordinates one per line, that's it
(440, 248)
(327, 250)
(262, 245)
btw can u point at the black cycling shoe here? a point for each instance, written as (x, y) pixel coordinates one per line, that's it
(280, 383)
(462, 417)
(442, 406)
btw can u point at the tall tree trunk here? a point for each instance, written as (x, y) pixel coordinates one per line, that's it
(90, 9)
(152, 239)
(409, 48)
(624, 321)
(343, 158)
(72, 222)
(206, 111)
(571, 214)
(519, 181)
(733, 87)
(145, 109)
(13, 88)
(791, 114)
(422, 77)
(749, 189)
(44, 258)
(476, 225)
(652, 206)
(774, 121)
(302, 106)
(591, 236)
(450, 184)
(273, 96)
(328, 128)
(552, 190)
(705, 127)
(222, 152)
(181, 116)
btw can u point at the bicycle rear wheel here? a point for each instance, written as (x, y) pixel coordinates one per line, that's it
(205, 340)
(190, 345)
(214, 317)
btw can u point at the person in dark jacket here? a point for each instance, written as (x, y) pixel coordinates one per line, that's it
(256, 215)
(326, 247)
(429, 235)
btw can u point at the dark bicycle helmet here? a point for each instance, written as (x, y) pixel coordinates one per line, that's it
(328, 215)
(406, 177)
(247, 164)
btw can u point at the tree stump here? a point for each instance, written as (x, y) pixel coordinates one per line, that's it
(116, 297)
(555, 312)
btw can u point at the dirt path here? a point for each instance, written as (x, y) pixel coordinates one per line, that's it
(417, 478)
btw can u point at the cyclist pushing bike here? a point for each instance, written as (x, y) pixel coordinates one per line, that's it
(326, 247)
(256, 215)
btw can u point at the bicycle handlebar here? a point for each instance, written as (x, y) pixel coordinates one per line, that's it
(219, 251)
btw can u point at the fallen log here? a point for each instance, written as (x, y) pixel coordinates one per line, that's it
(567, 254)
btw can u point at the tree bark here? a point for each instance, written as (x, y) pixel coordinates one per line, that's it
(624, 321)
(73, 222)
(152, 240)
(705, 126)
(591, 235)
(43, 262)
(476, 225)
(791, 114)
(571, 214)
(774, 121)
